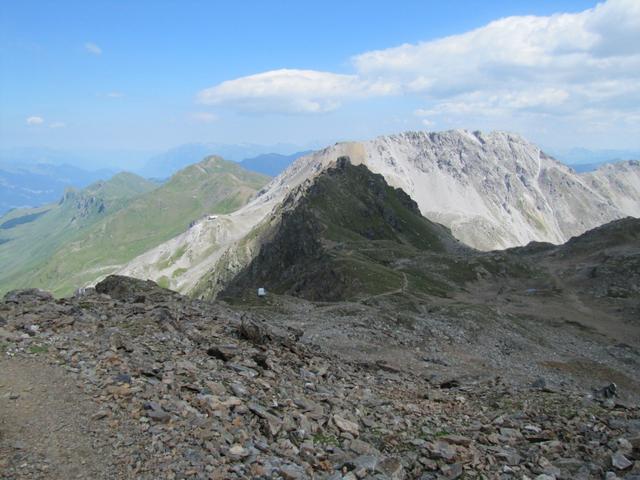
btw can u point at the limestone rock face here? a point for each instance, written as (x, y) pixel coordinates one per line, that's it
(497, 190)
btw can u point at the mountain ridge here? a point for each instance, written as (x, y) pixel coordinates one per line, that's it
(212, 186)
(313, 249)
(32, 235)
(492, 190)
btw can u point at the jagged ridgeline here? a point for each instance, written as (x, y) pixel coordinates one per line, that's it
(350, 235)
(207, 223)
(92, 232)
(493, 190)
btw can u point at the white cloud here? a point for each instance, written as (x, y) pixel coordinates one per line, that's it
(291, 91)
(93, 48)
(559, 63)
(35, 120)
(204, 117)
(57, 125)
(115, 94)
(568, 64)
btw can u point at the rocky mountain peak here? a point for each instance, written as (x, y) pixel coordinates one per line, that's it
(345, 209)
(492, 190)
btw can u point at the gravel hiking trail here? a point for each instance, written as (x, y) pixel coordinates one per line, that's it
(48, 426)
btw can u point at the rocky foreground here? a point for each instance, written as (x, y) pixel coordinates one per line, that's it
(157, 385)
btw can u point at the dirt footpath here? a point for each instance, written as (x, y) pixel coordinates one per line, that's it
(46, 425)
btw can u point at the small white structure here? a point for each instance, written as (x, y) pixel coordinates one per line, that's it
(262, 292)
(212, 217)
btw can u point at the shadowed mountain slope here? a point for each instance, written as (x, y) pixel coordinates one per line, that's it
(346, 235)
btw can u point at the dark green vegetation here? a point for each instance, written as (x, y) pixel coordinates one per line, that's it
(95, 239)
(350, 236)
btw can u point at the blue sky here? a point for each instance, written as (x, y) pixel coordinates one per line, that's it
(149, 75)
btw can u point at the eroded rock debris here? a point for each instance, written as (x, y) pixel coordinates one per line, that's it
(183, 389)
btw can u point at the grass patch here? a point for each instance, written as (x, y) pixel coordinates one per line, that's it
(178, 272)
(37, 349)
(326, 439)
(167, 262)
(368, 277)
(421, 282)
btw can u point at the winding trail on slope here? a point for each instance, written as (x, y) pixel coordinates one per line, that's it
(402, 289)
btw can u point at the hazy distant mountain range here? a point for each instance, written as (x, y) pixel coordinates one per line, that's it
(270, 160)
(38, 184)
(584, 159)
(271, 164)
(35, 177)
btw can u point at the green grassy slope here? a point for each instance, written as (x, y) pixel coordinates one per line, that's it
(211, 186)
(30, 236)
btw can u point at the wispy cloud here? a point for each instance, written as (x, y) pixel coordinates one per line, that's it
(35, 120)
(291, 91)
(57, 125)
(563, 65)
(92, 48)
(115, 94)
